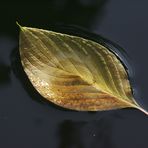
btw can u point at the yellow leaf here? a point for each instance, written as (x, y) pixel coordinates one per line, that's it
(74, 72)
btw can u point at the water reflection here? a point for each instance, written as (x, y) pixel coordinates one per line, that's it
(70, 134)
(6, 45)
(82, 134)
(4, 74)
(77, 12)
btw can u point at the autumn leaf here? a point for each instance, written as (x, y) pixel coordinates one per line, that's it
(74, 72)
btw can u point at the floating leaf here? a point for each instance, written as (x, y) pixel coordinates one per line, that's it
(74, 72)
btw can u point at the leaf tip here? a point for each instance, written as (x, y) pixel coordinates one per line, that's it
(19, 25)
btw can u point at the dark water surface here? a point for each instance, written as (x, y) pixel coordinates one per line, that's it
(28, 121)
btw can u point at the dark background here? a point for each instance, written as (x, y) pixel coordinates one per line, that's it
(28, 121)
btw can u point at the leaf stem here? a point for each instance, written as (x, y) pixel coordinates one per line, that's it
(141, 109)
(137, 106)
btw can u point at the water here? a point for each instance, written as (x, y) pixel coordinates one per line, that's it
(27, 120)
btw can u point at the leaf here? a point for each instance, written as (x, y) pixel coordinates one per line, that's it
(74, 72)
